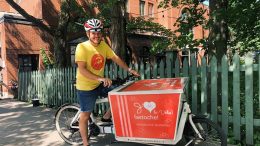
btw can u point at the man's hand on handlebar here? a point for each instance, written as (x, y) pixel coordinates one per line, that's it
(106, 82)
(135, 73)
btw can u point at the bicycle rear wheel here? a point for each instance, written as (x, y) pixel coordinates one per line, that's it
(212, 134)
(63, 119)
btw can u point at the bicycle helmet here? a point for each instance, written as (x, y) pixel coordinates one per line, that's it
(93, 25)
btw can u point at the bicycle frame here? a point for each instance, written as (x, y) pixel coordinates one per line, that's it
(74, 120)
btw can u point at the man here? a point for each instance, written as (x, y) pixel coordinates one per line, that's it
(90, 57)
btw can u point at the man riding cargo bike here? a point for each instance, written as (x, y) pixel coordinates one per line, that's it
(144, 111)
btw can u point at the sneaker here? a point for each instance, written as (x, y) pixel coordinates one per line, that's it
(106, 120)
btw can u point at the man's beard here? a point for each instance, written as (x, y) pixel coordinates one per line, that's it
(95, 42)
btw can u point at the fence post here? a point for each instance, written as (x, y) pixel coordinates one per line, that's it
(204, 93)
(162, 69)
(185, 68)
(168, 67)
(115, 71)
(236, 97)
(142, 70)
(155, 72)
(177, 68)
(74, 88)
(19, 84)
(259, 80)
(249, 99)
(224, 90)
(120, 72)
(148, 71)
(194, 85)
(214, 88)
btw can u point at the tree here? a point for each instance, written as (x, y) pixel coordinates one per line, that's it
(218, 35)
(118, 28)
(244, 25)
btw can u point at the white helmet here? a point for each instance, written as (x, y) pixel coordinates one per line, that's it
(93, 25)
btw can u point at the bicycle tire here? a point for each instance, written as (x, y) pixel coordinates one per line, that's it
(212, 134)
(62, 120)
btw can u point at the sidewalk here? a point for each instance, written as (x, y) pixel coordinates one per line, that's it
(24, 125)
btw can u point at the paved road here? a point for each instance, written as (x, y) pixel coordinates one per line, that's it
(24, 125)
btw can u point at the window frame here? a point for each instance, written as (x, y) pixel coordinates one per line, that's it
(151, 11)
(31, 64)
(142, 7)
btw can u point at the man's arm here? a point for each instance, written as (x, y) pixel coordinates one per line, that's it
(122, 64)
(85, 72)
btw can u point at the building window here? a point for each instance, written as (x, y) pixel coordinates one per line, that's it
(185, 14)
(28, 62)
(150, 9)
(142, 4)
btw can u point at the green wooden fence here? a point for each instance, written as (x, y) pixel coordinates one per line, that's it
(228, 93)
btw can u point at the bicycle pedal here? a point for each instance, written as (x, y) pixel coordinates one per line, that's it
(94, 129)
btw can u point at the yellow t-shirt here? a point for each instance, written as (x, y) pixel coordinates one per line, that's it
(95, 58)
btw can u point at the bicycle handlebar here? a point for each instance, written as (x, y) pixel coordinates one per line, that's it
(118, 81)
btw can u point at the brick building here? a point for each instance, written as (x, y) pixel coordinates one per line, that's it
(20, 40)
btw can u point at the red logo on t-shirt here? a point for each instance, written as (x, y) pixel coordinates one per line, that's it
(97, 61)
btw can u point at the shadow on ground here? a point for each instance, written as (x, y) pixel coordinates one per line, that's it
(24, 125)
(21, 124)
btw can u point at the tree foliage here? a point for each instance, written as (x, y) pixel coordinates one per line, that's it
(244, 25)
(233, 24)
(192, 16)
(47, 58)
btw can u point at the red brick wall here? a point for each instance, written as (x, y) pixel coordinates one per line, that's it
(22, 39)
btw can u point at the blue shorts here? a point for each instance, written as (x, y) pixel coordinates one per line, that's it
(87, 99)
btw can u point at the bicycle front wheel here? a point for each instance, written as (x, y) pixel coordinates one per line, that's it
(211, 133)
(63, 119)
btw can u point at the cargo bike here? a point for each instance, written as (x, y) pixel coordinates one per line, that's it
(152, 111)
